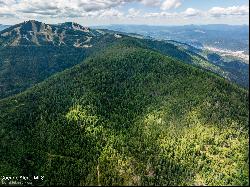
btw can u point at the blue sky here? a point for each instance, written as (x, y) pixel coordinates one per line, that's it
(151, 12)
(199, 4)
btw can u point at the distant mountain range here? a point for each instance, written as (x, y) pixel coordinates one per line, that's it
(2, 27)
(32, 51)
(230, 37)
(220, 36)
(92, 107)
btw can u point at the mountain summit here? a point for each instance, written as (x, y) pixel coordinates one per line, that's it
(37, 33)
(74, 26)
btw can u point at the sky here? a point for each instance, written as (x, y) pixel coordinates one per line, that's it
(146, 12)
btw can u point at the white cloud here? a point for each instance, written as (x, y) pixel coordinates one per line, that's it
(188, 13)
(6, 9)
(132, 13)
(108, 9)
(61, 7)
(191, 12)
(168, 4)
(37, 7)
(6, 12)
(110, 13)
(6, 2)
(94, 5)
(151, 2)
(229, 11)
(161, 15)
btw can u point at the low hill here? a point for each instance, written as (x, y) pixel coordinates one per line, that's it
(127, 116)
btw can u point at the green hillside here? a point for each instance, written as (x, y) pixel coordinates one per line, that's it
(128, 116)
(32, 51)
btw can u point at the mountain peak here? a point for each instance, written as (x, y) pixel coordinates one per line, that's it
(28, 33)
(74, 26)
(33, 32)
(31, 21)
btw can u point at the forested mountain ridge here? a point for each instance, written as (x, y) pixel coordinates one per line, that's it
(37, 33)
(32, 51)
(229, 42)
(128, 116)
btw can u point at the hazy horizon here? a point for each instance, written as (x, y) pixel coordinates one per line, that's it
(129, 24)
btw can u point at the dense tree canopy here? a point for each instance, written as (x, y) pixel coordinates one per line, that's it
(27, 59)
(128, 116)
